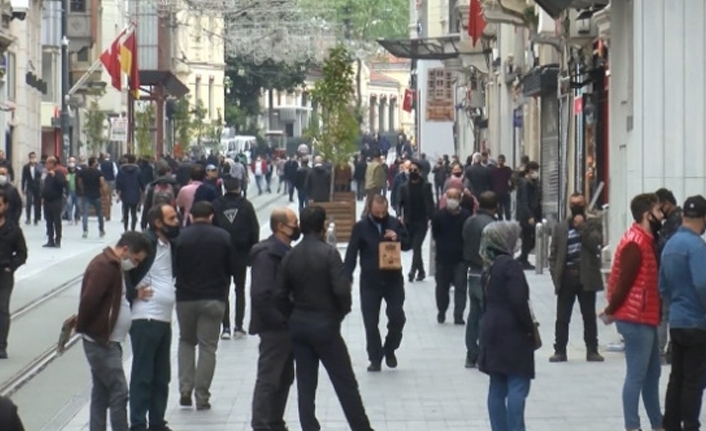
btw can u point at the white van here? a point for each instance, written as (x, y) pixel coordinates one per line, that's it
(231, 147)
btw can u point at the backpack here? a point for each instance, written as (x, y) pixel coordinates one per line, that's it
(163, 193)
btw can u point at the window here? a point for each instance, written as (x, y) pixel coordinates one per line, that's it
(197, 90)
(11, 76)
(78, 6)
(48, 76)
(211, 101)
(82, 55)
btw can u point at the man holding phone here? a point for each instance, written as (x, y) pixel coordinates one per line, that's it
(151, 292)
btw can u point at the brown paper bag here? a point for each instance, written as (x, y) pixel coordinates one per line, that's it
(390, 256)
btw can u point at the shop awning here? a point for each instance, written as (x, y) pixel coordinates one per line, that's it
(172, 85)
(433, 48)
(555, 7)
(540, 81)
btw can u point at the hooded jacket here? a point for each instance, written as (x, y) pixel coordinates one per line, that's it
(129, 184)
(265, 258)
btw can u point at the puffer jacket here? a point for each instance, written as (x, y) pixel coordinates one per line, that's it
(642, 304)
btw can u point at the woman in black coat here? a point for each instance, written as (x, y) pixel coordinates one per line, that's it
(506, 335)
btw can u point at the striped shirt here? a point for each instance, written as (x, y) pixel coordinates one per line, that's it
(573, 248)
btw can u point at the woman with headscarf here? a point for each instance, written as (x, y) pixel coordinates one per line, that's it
(506, 335)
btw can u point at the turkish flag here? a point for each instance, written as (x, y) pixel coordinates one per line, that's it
(476, 22)
(111, 61)
(408, 103)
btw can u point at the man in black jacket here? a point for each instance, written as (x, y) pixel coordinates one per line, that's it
(13, 254)
(31, 188)
(237, 216)
(204, 257)
(165, 186)
(53, 196)
(472, 232)
(377, 285)
(313, 291)
(14, 201)
(290, 175)
(300, 183)
(417, 205)
(529, 210)
(275, 366)
(9, 417)
(318, 182)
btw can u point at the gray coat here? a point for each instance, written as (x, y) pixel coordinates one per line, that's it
(591, 232)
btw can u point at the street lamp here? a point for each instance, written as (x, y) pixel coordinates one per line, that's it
(65, 115)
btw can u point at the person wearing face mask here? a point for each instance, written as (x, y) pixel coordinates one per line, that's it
(318, 182)
(377, 285)
(71, 211)
(14, 201)
(682, 283)
(275, 366)
(237, 216)
(400, 179)
(575, 266)
(417, 208)
(104, 321)
(204, 265)
(634, 305)
(32, 188)
(451, 269)
(529, 210)
(151, 293)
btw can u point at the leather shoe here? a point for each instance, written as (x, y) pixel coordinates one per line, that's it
(374, 367)
(558, 357)
(594, 356)
(391, 359)
(185, 400)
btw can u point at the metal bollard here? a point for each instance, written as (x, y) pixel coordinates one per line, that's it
(539, 249)
(331, 234)
(432, 257)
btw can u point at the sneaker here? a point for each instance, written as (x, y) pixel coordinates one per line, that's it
(410, 277)
(594, 356)
(459, 321)
(28, 222)
(421, 275)
(102, 234)
(239, 333)
(374, 367)
(185, 400)
(49, 245)
(85, 235)
(225, 335)
(558, 357)
(391, 359)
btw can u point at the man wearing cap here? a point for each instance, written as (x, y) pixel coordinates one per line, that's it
(682, 282)
(212, 181)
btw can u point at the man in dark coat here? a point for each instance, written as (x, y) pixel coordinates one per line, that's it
(32, 188)
(14, 209)
(529, 210)
(318, 182)
(129, 187)
(417, 208)
(377, 285)
(275, 367)
(9, 418)
(290, 175)
(575, 265)
(478, 177)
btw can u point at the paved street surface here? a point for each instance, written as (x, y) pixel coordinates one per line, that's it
(430, 390)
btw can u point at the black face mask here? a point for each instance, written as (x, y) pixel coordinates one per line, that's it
(378, 220)
(414, 176)
(171, 232)
(577, 210)
(655, 224)
(458, 174)
(296, 233)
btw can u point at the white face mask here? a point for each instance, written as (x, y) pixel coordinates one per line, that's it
(452, 204)
(127, 264)
(72, 165)
(3, 180)
(534, 175)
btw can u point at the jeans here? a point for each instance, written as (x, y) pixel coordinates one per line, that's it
(275, 375)
(98, 207)
(319, 340)
(663, 331)
(504, 206)
(683, 401)
(290, 190)
(258, 183)
(571, 289)
(151, 372)
(417, 232)
(52, 215)
(448, 274)
(506, 402)
(360, 189)
(371, 297)
(301, 195)
(109, 386)
(199, 324)
(7, 282)
(129, 210)
(643, 369)
(239, 282)
(475, 294)
(71, 212)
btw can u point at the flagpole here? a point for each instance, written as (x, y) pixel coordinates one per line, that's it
(66, 148)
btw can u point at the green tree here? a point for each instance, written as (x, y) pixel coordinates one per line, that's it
(336, 134)
(144, 119)
(183, 126)
(94, 126)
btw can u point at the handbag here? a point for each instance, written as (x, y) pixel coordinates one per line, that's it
(536, 337)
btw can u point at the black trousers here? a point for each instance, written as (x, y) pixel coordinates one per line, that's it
(7, 282)
(360, 189)
(571, 289)
(34, 201)
(528, 240)
(290, 189)
(683, 402)
(318, 339)
(417, 232)
(52, 214)
(371, 297)
(504, 204)
(275, 374)
(129, 210)
(239, 282)
(448, 274)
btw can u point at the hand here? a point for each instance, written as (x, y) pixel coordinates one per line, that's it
(52, 173)
(606, 318)
(145, 293)
(391, 235)
(531, 221)
(8, 269)
(466, 192)
(578, 220)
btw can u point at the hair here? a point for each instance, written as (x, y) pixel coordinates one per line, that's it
(32, 153)
(305, 161)
(488, 201)
(641, 204)
(524, 160)
(156, 213)
(92, 161)
(202, 209)
(531, 166)
(130, 158)
(312, 220)
(278, 216)
(136, 242)
(484, 153)
(198, 172)
(231, 184)
(3, 197)
(665, 195)
(163, 168)
(502, 155)
(377, 199)
(576, 195)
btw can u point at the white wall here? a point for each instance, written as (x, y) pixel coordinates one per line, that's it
(436, 138)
